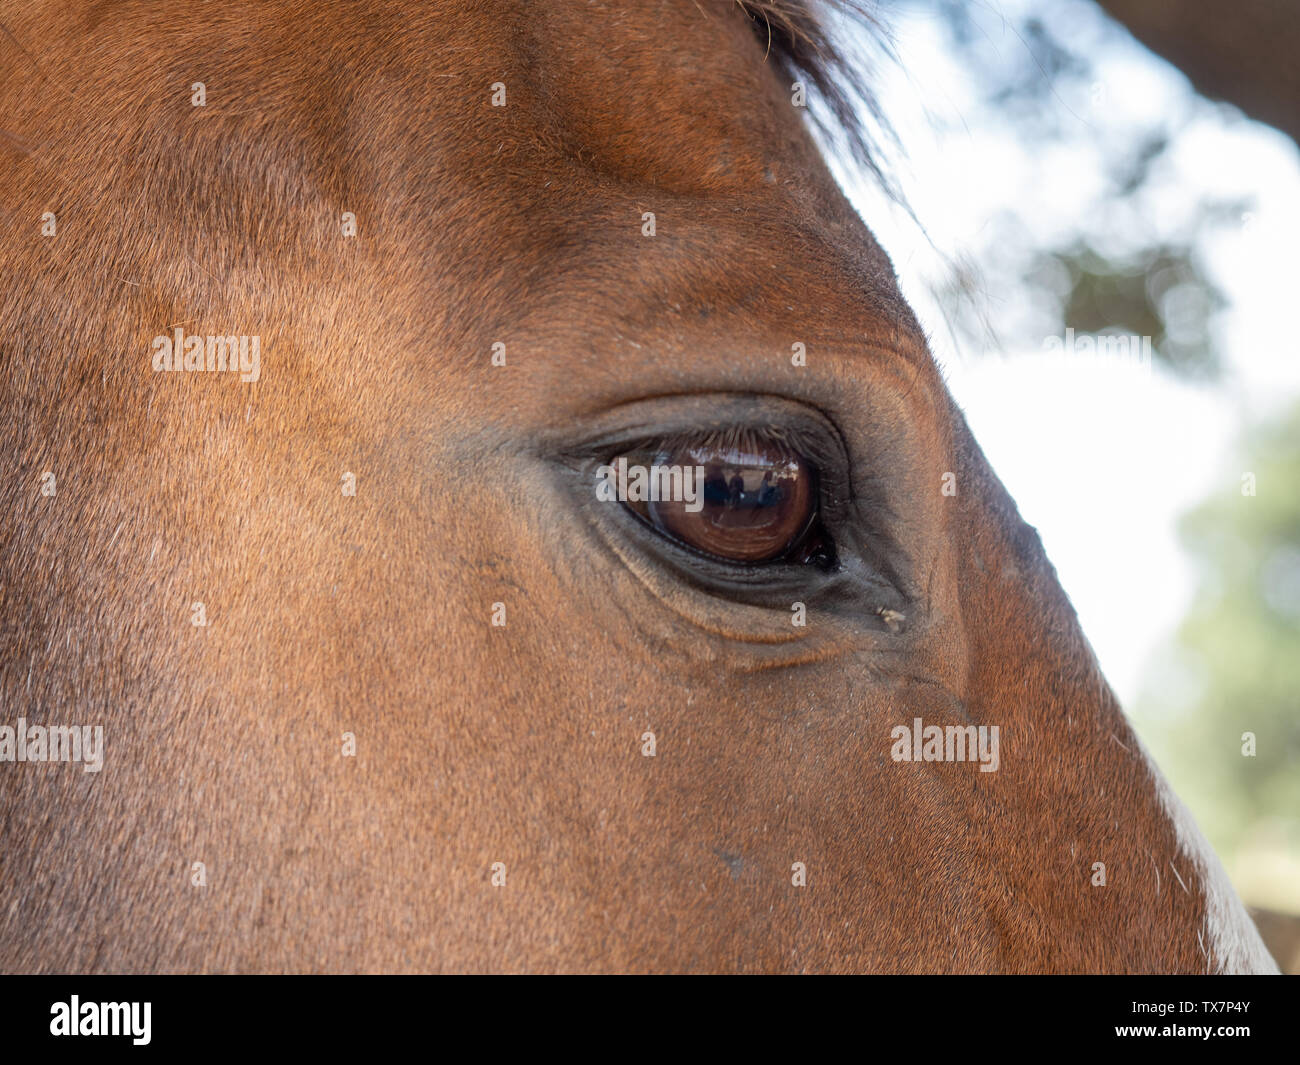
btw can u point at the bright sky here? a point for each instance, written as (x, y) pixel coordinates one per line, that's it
(1103, 460)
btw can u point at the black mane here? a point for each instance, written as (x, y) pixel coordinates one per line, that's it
(799, 41)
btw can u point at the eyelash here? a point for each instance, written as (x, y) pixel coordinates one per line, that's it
(810, 445)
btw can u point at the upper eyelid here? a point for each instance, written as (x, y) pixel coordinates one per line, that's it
(740, 434)
(820, 444)
(674, 416)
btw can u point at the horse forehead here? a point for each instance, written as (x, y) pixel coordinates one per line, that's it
(673, 95)
(590, 110)
(651, 168)
(591, 107)
(608, 113)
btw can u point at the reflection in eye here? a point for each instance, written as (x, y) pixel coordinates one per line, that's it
(754, 500)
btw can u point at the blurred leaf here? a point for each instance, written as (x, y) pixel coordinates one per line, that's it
(1160, 293)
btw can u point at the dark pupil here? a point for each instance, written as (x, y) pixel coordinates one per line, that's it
(758, 501)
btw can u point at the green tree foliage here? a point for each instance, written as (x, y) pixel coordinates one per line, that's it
(1023, 69)
(1239, 646)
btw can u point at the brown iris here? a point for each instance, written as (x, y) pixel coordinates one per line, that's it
(746, 500)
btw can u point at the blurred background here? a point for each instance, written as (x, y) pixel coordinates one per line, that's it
(1101, 223)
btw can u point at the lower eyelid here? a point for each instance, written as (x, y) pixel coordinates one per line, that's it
(743, 601)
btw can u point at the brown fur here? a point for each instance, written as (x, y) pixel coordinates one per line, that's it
(371, 614)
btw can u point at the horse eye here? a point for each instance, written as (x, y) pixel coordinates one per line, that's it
(750, 501)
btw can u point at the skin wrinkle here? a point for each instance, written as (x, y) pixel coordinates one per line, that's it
(371, 614)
